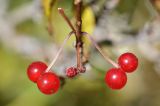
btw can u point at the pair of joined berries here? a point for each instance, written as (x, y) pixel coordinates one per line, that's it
(72, 71)
(47, 82)
(116, 78)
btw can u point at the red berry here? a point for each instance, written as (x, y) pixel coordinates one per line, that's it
(116, 78)
(35, 70)
(128, 62)
(48, 83)
(71, 72)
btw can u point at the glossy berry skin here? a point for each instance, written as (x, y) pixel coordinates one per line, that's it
(35, 70)
(115, 78)
(128, 62)
(71, 72)
(48, 83)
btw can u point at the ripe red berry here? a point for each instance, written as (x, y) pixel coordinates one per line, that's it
(71, 72)
(48, 83)
(35, 70)
(116, 78)
(128, 62)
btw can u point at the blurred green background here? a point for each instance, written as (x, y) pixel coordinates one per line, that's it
(23, 29)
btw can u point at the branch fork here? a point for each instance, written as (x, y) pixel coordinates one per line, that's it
(79, 43)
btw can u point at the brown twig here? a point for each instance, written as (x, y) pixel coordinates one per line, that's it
(79, 34)
(61, 11)
(77, 30)
(79, 42)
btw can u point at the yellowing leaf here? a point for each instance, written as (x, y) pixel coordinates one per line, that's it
(47, 6)
(88, 25)
(88, 20)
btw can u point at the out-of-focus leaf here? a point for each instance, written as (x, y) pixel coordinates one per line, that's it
(88, 20)
(13, 73)
(127, 6)
(140, 15)
(32, 28)
(136, 10)
(88, 25)
(13, 4)
(47, 6)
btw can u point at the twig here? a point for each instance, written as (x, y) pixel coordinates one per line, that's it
(59, 52)
(78, 4)
(61, 11)
(79, 42)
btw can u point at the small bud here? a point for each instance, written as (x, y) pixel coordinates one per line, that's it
(82, 69)
(71, 72)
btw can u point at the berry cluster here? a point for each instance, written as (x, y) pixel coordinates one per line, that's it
(116, 78)
(73, 71)
(47, 82)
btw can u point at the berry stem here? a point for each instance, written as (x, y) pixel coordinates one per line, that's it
(100, 50)
(62, 13)
(59, 52)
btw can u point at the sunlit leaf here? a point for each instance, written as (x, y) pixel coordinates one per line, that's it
(47, 6)
(88, 20)
(88, 25)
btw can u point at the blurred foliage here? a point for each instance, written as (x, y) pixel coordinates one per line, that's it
(32, 28)
(137, 11)
(16, 3)
(142, 88)
(47, 7)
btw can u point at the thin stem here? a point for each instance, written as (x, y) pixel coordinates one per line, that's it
(61, 11)
(59, 52)
(99, 49)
